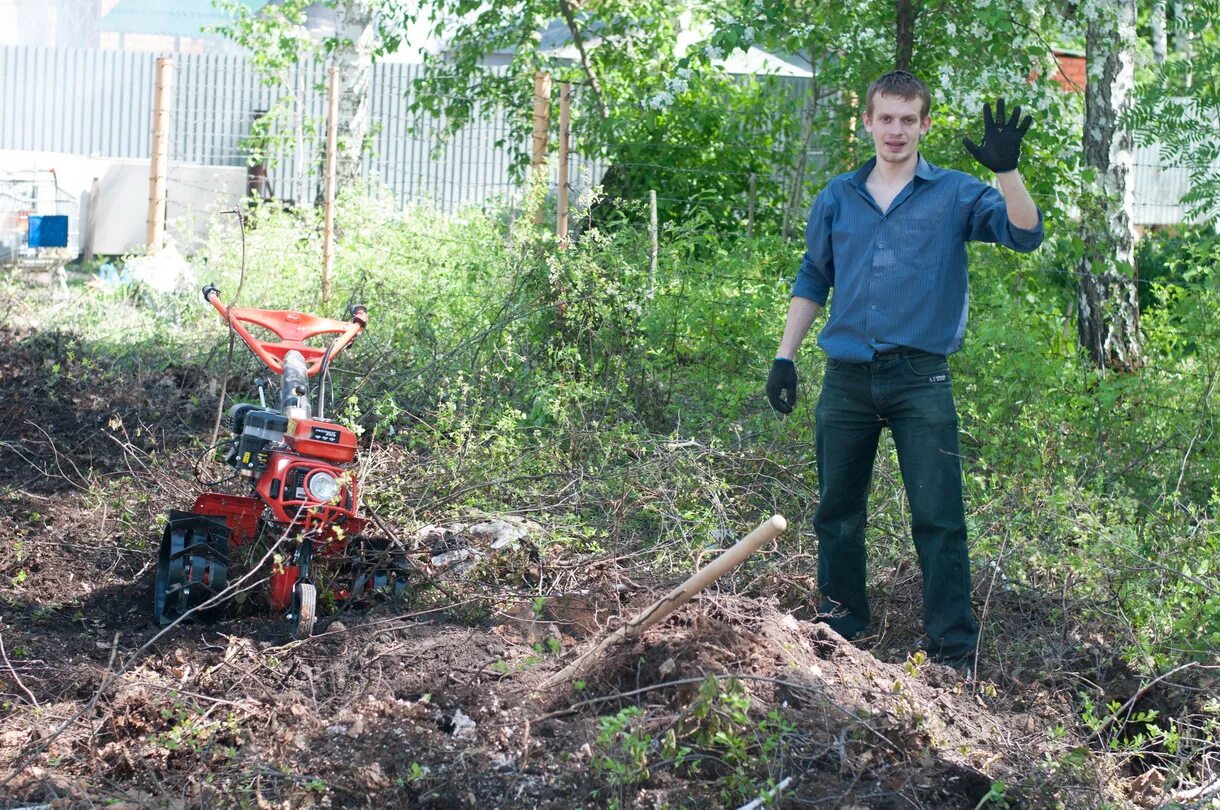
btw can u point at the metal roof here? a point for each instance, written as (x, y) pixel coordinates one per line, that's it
(180, 18)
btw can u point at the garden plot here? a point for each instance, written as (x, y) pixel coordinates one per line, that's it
(436, 701)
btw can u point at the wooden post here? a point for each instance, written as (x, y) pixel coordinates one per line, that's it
(542, 129)
(726, 562)
(328, 230)
(652, 234)
(160, 153)
(565, 118)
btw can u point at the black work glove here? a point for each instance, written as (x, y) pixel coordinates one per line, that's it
(782, 380)
(1001, 147)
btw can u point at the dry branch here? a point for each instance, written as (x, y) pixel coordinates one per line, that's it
(735, 556)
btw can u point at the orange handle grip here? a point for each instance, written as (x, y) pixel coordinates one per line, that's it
(292, 329)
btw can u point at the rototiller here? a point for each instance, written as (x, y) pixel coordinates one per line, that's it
(307, 500)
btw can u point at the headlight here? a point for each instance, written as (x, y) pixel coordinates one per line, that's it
(322, 486)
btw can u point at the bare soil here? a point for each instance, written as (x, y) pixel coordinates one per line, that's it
(439, 701)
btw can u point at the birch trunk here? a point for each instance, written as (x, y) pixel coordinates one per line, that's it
(354, 26)
(1156, 22)
(1181, 34)
(1108, 319)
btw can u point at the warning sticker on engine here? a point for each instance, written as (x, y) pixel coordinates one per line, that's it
(321, 434)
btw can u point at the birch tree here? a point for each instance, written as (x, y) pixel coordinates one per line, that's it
(1156, 25)
(356, 36)
(1108, 301)
(279, 41)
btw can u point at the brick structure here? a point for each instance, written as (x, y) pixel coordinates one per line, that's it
(1071, 73)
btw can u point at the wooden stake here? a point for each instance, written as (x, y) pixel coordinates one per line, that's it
(652, 234)
(735, 556)
(565, 117)
(332, 137)
(542, 129)
(160, 153)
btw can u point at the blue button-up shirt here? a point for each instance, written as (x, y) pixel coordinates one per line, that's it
(899, 275)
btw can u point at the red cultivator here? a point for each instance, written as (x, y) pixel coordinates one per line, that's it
(306, 499)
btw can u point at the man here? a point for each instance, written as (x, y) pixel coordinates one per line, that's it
(890, 238)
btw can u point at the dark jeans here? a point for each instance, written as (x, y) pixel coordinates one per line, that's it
(911, 393)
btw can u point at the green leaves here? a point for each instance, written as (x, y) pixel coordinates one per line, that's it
(274, 37)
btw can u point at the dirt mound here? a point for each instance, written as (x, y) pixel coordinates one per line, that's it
(441, 707)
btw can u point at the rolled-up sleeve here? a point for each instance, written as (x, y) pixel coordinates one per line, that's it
(989, 222)
(817, 271)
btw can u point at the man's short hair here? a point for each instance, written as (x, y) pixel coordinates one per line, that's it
(900, 84)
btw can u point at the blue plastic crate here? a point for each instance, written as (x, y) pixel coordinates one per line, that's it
(48, 231)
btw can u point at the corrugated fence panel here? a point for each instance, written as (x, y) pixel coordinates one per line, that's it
(99, 103)
(1159, 188)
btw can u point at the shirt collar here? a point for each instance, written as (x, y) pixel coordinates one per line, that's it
(923, 170)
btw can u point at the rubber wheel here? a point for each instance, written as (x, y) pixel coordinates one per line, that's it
(192, 568)
(304, 610)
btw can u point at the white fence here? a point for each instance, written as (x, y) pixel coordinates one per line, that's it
(98, 103)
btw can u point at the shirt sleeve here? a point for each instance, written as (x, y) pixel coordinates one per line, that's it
(989, 220)
(817, 271)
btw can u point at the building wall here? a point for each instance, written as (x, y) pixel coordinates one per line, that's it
(1072, 72)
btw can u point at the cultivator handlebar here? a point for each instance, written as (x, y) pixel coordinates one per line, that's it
(293, 330)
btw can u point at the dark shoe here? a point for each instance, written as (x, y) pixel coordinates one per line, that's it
(839, 620)
(963, 664)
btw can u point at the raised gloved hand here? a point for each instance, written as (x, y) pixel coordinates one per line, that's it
(781, 381)
(1001, 147)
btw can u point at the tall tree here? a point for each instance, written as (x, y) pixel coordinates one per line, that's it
(1156, 24)
(1108, 302)
(967, 52)
(905, 14)
(356, 43)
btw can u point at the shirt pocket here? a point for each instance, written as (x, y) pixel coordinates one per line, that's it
(925, 241)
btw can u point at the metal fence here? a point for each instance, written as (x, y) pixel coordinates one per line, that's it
(98, 103)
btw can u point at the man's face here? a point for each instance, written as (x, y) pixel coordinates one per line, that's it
(896, 127)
